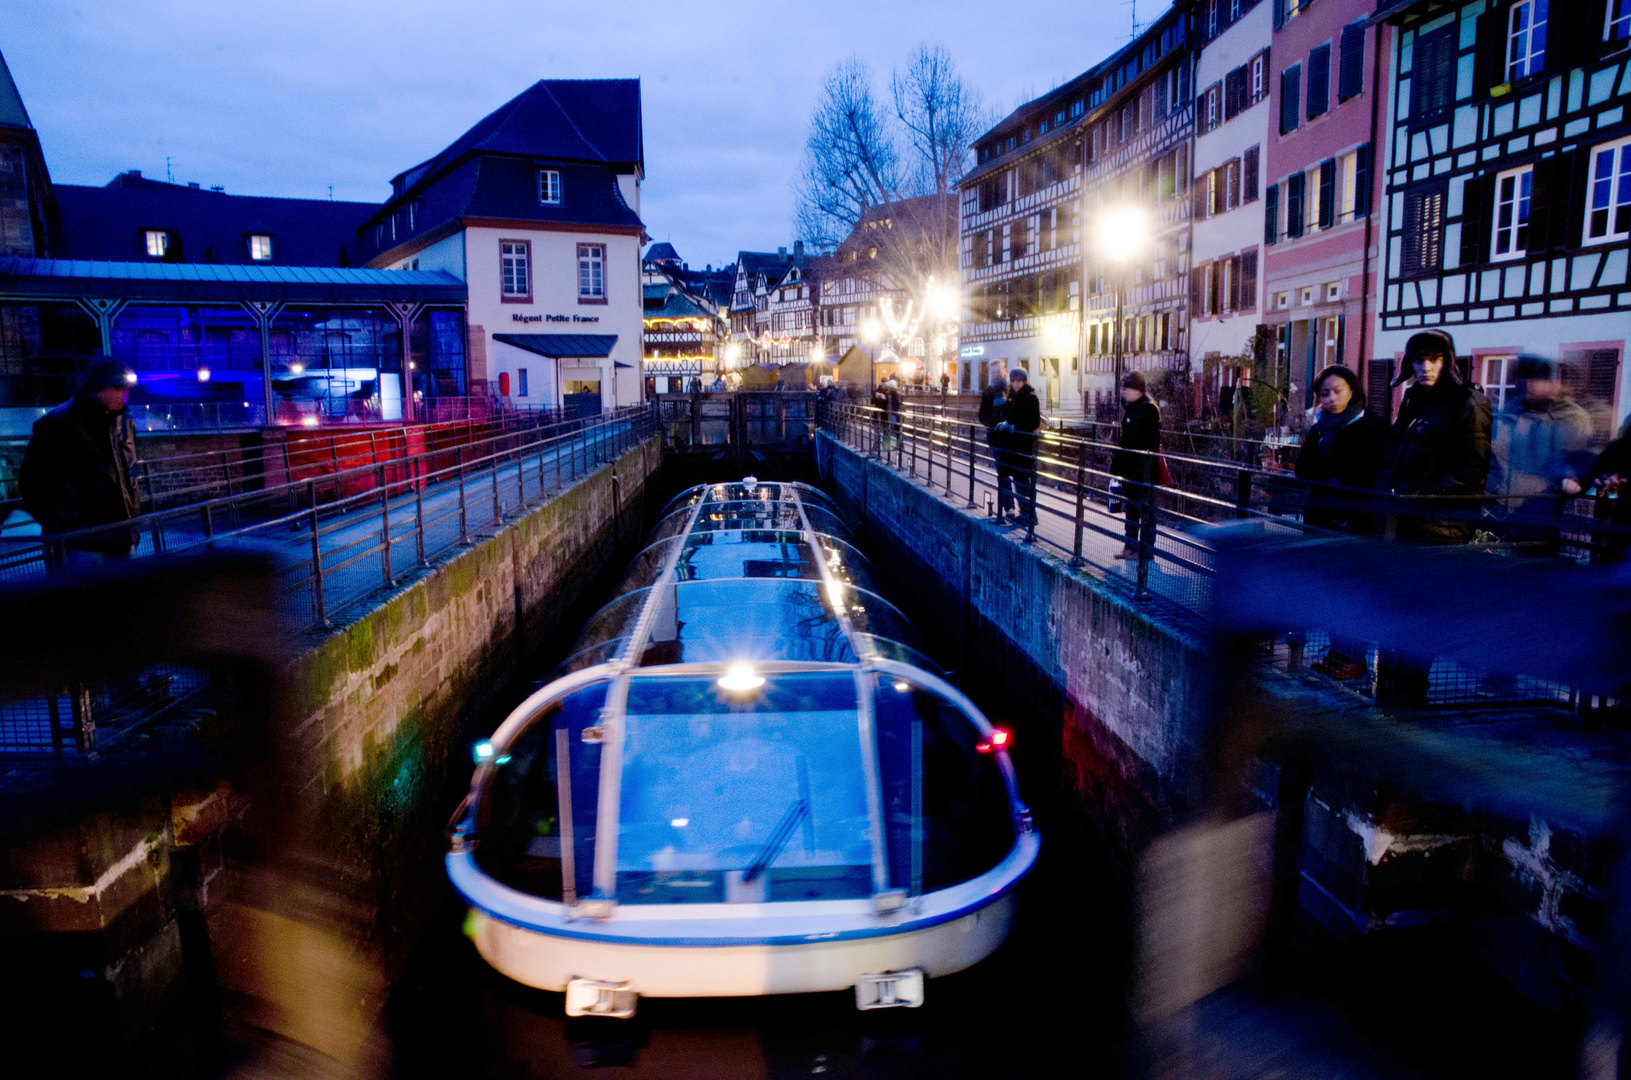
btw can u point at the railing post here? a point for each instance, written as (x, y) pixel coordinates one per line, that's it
(971, 503)
(419, 520)
(384, 523)
(498, 507)
(209, 522)
(84, 722)
(464, 527)
(1243, 493)
(1146, 523)
(318, 600)
(1081, 503)
(911, 430)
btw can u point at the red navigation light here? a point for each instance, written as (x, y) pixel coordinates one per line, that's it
(999, 737)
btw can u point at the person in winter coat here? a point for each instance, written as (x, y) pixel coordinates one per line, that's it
(1342, 450)
(1140, 431)
(993, 410)
(78, 470)
(1016, 459)
(1540, 448)
(1609, 474)
(1438, 446)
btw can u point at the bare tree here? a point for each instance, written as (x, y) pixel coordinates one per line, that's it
(941, 116)
(851, 156)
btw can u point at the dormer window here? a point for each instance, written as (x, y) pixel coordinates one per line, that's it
(260, 247)
(549, 186)
(158, 242)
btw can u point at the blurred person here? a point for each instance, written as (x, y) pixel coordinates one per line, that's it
(1017, 456)
(1608, 474)
(1343, 449)
(1140, 431)
(1540, 447)
(1439, 445)
(79, 469)
(892, 407)
(993, 411)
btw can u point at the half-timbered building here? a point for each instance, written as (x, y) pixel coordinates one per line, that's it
(1509, 190)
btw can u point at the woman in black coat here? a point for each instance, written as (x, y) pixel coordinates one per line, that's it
(1342, 450)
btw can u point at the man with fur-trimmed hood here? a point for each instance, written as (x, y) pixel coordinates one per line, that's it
(1439, 445)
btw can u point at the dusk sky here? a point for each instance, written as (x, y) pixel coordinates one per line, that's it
(291, 97)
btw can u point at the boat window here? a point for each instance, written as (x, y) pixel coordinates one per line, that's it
(826, 521)
(744, 619)
(642, 569)
(748, 797)
(671, 525)
(749, 514)
(845, 563)
(520, 829)
(870, 613)
(603, 653)
(878, 648)
(809, 495)
(939, 786)
(748, 554)
(615, 620)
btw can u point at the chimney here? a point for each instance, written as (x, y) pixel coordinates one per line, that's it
(781, 251)
(193, 184)
(217, 187)
(798, 249)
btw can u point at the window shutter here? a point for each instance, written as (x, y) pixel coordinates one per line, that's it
(1290, 98)
(1212, 288)
(1551, 204)
(1197, 209)
(1231, 94)
(1294, 203)
(1351, 65)
(1197, 285)
(1423, 229)
(1234, 283)
(1571, 28)
(1378, 389)
(1487, 69)
(1271, 214)
(1319, 81)
(1248, 178)
(1232, 172)
(1362, 181)
(1475, 198)
(1279, 13)
(1328, 187)
(1248, 280)
(1569, 199)
(1432, 77)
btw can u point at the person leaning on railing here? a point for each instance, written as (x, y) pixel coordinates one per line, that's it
(1341, 454)
(1016, 452)
(1139, 439)
(79, 469)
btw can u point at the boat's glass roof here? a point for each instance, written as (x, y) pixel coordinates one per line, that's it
(759, 799)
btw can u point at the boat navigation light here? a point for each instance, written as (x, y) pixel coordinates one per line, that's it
(484, 752)
(998, 741)
(901, 686)
(741, 677)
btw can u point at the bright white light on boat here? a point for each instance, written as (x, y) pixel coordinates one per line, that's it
(484, 752)
(680, 822)
(741, 677)
(901, 685)
(835, 593)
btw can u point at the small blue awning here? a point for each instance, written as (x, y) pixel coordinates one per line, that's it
(562, 346)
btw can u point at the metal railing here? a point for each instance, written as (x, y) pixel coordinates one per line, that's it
(1166, 560)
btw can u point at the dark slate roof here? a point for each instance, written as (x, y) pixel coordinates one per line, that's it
(561, 119)
(199, 281)
(556, 346)
(662, 252)
(676, 306)
(106, 223)
(12, 113)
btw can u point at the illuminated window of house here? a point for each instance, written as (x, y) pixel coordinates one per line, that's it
(157, 242)
(1512, 193)
(260, 247)
(515, 258)
(1525, 38)
(591, 273)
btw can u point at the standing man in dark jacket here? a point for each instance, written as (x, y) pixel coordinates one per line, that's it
(1140, 431)
(1342, 450)
(993, 411)
(1439, 445)
(1021, 420)
(78, 470)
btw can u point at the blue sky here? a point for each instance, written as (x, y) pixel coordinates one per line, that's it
(288, 98)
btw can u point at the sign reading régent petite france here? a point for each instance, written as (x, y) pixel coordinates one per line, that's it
(555, 318)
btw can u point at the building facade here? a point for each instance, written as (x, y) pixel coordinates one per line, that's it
(1321, 239)
(686, 324)
(537, 209)
(1232, 77)
(1508, 187)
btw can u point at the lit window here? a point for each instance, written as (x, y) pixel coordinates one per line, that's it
(1609, 215)
(1619, 21)
(1348, 164)
(1258, 63)
(549, 186)
(158, 243)
(1512, 191)
(1525, 38)
(260, 247)
(591, 272)
(515, 256)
